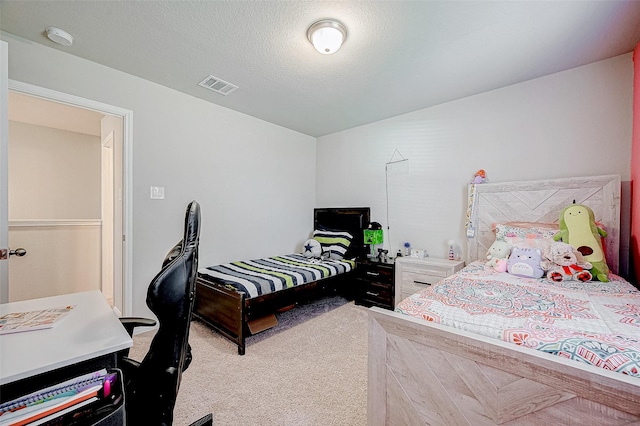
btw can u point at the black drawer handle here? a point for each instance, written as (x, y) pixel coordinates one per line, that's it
(421, 282)
(374, 274)
(370, 293)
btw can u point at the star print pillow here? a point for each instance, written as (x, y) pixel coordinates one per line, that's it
(312, 248)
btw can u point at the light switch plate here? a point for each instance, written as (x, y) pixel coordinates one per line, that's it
(157, 192)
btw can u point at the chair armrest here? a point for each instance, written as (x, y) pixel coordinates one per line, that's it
(129, 323)
(129, 368)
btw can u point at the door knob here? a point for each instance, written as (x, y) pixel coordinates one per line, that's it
(17, 252)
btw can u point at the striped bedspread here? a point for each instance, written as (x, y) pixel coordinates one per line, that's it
(262, 276)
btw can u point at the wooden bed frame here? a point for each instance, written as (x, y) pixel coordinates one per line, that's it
(230, 312)
(425, 373)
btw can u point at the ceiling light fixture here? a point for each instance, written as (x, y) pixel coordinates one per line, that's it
(327, 35)
(59, 36)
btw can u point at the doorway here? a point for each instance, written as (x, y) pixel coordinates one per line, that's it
(74, 227)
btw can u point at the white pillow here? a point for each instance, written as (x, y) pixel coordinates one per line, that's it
(312, 248)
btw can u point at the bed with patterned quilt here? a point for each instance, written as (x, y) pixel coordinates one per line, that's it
(489, 346)
(240, 298)
(592, 322)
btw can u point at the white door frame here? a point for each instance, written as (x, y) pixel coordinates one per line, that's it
(127, 196)
(4, 174)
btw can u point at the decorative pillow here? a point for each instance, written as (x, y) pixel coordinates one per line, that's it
(312, 248)
(334, 242)
(539, 225)
(525, 230)
(526, 234)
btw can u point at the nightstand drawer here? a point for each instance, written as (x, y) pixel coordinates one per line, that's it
(383, 275)
(416, 274)
(413, 282)
(431, 270)
(376, 293)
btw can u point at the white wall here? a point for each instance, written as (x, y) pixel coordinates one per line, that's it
(254, 180)
(573, 123)
(53, 173)
(54, 211)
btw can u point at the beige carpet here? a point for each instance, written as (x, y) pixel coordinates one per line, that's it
(311, 371)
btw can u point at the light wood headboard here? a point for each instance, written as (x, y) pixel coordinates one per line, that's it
(542, 201)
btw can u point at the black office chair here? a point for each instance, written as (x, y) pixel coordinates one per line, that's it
(151, 386)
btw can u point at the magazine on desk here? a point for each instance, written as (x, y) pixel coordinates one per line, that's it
(16, 322)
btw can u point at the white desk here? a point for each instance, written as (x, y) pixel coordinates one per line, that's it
(91, 330)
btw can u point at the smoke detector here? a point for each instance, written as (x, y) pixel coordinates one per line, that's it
(59, 36)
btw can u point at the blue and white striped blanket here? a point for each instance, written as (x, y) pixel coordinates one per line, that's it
(262, 276)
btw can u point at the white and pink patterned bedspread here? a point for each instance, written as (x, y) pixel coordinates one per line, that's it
(596, 323)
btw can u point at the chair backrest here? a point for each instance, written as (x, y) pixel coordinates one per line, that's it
(170, 297)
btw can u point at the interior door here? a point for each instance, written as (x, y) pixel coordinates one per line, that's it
(54, 198)
(4, 205)
(122, 172)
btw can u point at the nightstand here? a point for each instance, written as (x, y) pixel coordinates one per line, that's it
(375, 284)
(415, 273)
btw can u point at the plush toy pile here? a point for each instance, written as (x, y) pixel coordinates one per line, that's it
(575, 253)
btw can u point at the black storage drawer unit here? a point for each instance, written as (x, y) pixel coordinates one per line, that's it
(375, 284)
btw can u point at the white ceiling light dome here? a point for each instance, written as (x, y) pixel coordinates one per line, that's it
(59, 36)
(327, 35)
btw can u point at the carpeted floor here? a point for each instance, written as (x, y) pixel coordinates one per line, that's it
(311, 369)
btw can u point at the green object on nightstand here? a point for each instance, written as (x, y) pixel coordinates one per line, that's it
(373, 236)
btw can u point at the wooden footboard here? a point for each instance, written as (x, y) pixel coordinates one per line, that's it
(223, 310)
(229, 312)
(425, 373)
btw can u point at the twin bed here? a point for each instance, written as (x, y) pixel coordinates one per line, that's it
(241, 297)
(460, 352)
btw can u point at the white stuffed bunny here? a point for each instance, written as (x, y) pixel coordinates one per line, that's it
(497, 254)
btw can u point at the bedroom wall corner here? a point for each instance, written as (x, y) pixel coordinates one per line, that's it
(635, 171)
(554, 126)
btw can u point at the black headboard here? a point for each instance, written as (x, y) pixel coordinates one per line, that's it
(350, 219)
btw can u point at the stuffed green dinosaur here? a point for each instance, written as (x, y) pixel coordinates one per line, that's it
(578, 228)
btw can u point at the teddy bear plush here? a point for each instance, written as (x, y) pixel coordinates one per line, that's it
(564, 263)
(497, 255)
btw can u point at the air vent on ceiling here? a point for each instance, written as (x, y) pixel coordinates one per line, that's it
(217, 85)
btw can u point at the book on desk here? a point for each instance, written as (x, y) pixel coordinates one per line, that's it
(76, 401)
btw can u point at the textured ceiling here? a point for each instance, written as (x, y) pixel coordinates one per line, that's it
(399, 56)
